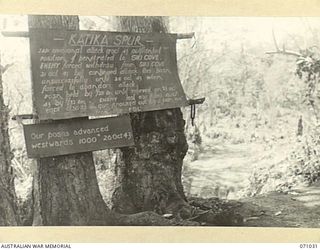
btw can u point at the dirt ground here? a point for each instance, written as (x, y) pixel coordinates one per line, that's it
(299, 208)
(231, 167)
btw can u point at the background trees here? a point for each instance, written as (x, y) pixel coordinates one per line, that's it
(8, 207)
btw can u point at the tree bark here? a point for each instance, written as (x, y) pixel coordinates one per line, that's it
(65, 188)
(148, 175)
(8, 207)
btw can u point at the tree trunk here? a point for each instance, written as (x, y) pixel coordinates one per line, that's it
(65, 188)
(148, 175)
(300, 127)
(8, 208)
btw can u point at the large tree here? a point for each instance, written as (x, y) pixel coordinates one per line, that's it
(148, 175)
(65, 188)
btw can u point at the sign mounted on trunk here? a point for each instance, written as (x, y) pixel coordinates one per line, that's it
(93, 73)
(77, 135)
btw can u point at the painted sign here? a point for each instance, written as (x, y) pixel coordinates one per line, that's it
(77, 135)
(93, 73)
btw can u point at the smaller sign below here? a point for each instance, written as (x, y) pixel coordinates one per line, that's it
(76, 136)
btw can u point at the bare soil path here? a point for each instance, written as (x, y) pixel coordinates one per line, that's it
(230, 167)
(299, 208)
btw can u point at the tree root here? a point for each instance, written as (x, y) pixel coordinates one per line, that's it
(149, 218)
(201, 212)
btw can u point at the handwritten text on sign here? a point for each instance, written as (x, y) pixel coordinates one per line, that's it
(75, 136)
(91, 73)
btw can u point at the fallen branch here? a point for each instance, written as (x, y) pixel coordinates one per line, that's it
(4, 68)
(285, 52)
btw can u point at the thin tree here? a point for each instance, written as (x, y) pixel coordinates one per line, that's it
(8, 207)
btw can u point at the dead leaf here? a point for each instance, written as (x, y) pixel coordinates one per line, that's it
(251, 218)
(167, 216)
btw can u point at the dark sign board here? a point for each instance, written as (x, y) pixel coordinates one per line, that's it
(92, 73)
(75, 136)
